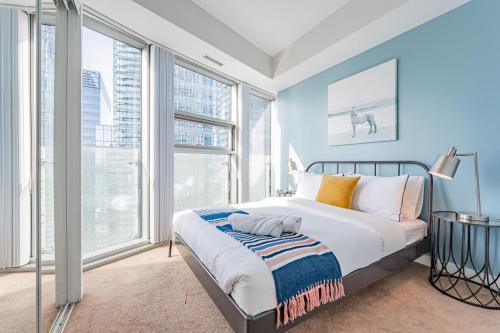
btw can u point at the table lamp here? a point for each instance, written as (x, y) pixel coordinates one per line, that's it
(292, 167)
(292, 170)
(445, 167)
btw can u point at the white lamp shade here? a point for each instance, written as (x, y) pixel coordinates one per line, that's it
(292, 166)
(445, 166)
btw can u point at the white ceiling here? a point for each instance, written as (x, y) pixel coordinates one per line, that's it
(271, 25)
(245, 39)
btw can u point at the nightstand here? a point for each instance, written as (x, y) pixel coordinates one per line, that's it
(285, 193)
(460, 260)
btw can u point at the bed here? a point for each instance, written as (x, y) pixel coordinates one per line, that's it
(367, 247)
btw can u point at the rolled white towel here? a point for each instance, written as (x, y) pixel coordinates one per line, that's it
(290, 223)
(256, 224)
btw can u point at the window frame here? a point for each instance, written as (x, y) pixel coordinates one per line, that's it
(231, 124)
(105, 28)
(201, 119)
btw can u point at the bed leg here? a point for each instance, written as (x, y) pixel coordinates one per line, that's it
(170, 248)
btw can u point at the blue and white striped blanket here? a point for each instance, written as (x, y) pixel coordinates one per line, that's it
(306, 273)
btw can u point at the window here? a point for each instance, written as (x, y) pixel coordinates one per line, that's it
(111, 141)
(201, 95)
(259, 148)
(192, 133)
(201, 180)
(203, 138)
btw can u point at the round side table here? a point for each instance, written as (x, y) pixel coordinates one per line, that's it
(456, 269)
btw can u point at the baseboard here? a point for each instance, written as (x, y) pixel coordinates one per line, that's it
(424, 260)
(121, 255)
(49, 269)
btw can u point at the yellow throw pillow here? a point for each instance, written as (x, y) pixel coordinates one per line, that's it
(337, 190)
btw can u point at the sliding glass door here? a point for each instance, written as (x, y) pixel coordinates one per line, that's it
(111, 142)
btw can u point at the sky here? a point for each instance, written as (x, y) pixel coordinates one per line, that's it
(97, 55)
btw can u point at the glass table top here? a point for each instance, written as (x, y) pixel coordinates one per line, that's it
(454, 218)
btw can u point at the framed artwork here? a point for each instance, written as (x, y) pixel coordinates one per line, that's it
(363, 107)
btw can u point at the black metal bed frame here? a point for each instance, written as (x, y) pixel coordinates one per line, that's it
(355, 164)
(353, 282)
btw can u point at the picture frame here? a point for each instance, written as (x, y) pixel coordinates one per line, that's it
(362, 108)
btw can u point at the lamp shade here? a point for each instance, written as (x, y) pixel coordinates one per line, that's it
(292, 166)
(445, 165)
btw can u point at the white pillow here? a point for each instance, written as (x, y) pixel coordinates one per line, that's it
(413, 199)
(309, 184)
(381, 196)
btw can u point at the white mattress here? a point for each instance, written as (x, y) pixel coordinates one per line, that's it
(357, 239)
(414, 230)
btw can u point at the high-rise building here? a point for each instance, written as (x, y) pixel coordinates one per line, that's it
(260, 125)
(126, 96)
(199, 94)
(91, 118)
(91, 105)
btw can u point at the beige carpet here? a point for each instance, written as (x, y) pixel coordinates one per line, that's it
(152, 293)
(17, 302)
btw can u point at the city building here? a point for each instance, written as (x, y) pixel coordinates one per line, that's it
(91, 105)
(126, 96)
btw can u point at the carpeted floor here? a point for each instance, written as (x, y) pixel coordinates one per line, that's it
(153, 293)
(17, 302)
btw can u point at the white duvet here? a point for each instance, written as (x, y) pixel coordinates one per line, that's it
(357, 239)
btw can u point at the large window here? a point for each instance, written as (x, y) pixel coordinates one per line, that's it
(204, 134)
(259, 148)
(111, 141)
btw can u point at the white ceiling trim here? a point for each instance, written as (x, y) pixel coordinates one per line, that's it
(355, 15)
(404, 18)
(271, 25)
(195, 34)
(188, 16)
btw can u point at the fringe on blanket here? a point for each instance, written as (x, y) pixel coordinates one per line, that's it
(308, 300)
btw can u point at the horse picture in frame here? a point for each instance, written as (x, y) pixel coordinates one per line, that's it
(363, 107)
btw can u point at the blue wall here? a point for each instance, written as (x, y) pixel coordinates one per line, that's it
(448, 94)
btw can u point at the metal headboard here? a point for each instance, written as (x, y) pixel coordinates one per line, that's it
(375, 164)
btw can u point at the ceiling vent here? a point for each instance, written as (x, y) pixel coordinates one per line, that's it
(212, 60)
